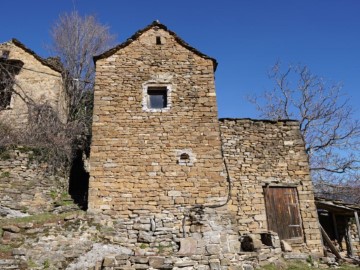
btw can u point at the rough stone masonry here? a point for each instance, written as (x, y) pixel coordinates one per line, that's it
(136, 151)
(262, 155)
(157, 156)
(39, 81)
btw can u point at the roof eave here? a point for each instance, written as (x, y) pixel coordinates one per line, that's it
(37, 57)
(140, 32)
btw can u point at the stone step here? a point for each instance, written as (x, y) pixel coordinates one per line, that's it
(8, 264)
(295, 241)
(295, 256)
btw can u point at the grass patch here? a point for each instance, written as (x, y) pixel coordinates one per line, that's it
(300, 265)
(62, 199)
(53, 194)
(63, 203)
(46, 264)
(164, 248)
(348, 267)
(143, 246)
(5, 155)
(36, 154)
(37, 219)
(106, 229)
(4, 175)
(31, 264)
(5, 248)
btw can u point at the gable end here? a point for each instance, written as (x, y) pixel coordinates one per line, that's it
(140, 32)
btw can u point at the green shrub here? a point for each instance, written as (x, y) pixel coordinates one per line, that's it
(4, 153)
(46, 264)
(4, 175)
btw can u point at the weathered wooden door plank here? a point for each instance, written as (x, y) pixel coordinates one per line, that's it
(282, 211)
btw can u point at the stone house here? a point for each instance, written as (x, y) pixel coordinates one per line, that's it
(26, 77)
(171, 172)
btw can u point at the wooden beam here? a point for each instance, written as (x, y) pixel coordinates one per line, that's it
(349, 240)
(335, 227)
(330, 244)
(322, 240)
(357, 223)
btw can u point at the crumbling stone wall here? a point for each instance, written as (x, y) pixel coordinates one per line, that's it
(25, 186)
(265, 153)
(355, 239)
(135, 166)
(37, 81)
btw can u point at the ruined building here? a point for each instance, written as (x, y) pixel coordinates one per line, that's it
(27, 78)
(171, 172)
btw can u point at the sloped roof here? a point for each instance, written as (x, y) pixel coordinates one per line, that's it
(336, 205)
(140, 32)
(37, 57)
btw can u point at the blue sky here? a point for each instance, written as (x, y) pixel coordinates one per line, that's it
(246, 37)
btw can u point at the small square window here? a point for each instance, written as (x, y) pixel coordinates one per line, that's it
(157, 97)
(5, 54)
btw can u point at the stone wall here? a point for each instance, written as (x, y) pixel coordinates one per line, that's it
(25, 186)
(36, 81)
(261, 154)
(81, 241)
(135, 161)
(355, 239)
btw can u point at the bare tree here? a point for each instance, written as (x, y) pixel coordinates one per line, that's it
(327, 123)
(44, 133)
(346, 188)
(76, 40)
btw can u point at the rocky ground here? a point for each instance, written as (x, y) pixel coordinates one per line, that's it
(71, 239)
(74, 240)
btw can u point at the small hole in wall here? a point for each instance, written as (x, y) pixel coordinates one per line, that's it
(267, 239)
(158, 40)
(247, 243)
(184, 157)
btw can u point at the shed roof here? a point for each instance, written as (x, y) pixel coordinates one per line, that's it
(336, 206)
(140, 32)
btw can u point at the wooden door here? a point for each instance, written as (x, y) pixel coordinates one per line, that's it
(282, 211)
